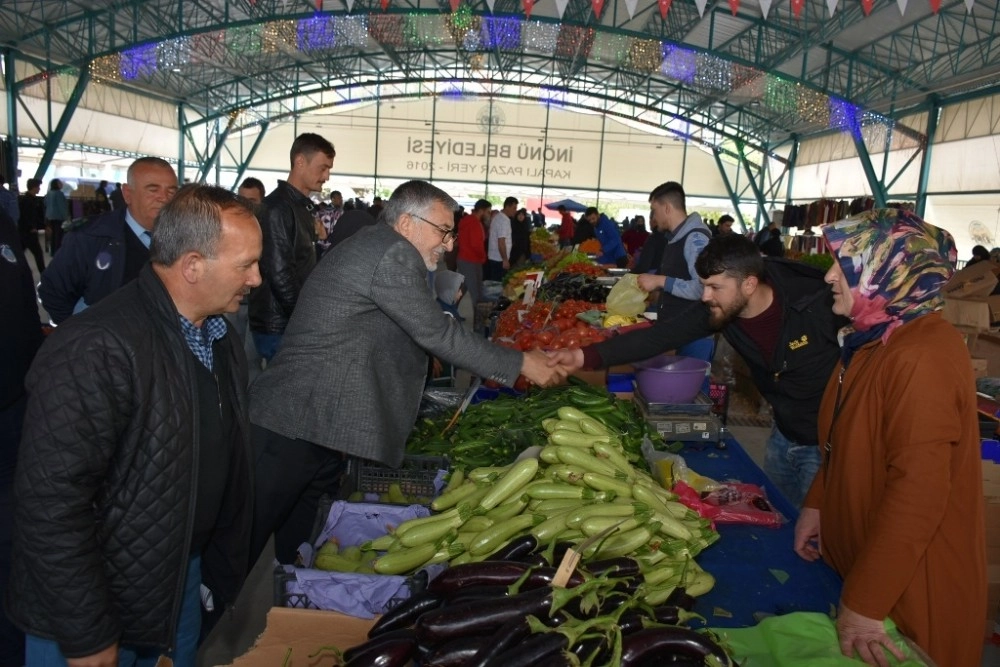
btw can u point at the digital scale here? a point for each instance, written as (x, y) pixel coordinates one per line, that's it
(690, 422)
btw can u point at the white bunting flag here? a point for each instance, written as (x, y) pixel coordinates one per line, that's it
(561, 7)
(902, 6)
(765, 6)
(701, 4)
(631, 5)
(968, 5)
(350, 5)
(490, 3)
(832, 6)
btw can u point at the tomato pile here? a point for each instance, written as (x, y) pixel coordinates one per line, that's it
(521, 327)
(577, 268)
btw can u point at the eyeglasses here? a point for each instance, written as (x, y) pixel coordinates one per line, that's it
(447, 234)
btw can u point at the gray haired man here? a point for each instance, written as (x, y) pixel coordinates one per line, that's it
(352, 366)
(138, 488)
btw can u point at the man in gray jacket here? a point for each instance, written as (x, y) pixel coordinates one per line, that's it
(351, 368)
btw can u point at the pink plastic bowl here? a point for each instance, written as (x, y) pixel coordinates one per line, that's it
(670, 379)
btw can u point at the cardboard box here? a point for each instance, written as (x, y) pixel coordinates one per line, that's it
(973, 281)
(978, 313)
(983, 345)
(303, 631)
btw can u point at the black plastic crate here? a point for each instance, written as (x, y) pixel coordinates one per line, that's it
(415, 476)
(282, 598)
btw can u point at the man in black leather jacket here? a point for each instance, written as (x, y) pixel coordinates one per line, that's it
(777, 315)
(286, 218)
(139, 487)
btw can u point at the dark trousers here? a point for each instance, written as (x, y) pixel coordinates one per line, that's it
(290, 476)
(11, 420)
(57, 234)
(31, 244)
(493, 270)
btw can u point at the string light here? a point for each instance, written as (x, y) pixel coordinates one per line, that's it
(464, 27)
(351, 31)
(172, 54)
(106, 68)
(386, 28)
(139, 61)
(612, 49)
(813, 106)
(679, 64)
(712, 74)
(278, 36)
(315, 33)
(424, 30)
(502, 32)
(540, 37)
(645, 55)
(208, 47)
(780, 95)
(243, 39)
(574, 41)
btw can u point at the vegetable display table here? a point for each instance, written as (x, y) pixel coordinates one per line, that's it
(757, 573)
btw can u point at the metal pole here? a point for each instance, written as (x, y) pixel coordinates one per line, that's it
(253, 150)
(10, 83)
(933, 115)
(180, 142)
(600, 159)
(434, 112)
(378, 121)
(545, 143)
(489, 143)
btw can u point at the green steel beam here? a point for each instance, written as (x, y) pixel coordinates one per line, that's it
(733, 198)
(181, 149)
(933, 115)
(755, 187)
(53, 140)
(10, 97)
(878, 188)
(253, 151)
(220, 142)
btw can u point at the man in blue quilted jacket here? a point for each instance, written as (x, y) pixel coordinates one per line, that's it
(138, 489)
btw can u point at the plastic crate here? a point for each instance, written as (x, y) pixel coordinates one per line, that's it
(416, 476)
(285, 598)
(719, 394)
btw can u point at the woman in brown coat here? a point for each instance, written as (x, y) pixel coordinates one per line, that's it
(898, 502)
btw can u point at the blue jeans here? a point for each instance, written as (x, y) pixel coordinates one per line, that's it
(791, 466)
(704, 349)
(267, 344)
(46, 653)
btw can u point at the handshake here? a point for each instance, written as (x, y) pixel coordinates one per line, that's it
(550, 368)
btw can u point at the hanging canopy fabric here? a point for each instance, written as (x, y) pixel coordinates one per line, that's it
(575, 207)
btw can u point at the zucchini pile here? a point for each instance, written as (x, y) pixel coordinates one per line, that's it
(507, 614)
(493, 433)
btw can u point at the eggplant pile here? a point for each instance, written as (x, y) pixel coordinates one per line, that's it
(567, 286)
(505, 613)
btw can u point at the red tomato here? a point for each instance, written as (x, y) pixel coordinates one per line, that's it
(582, 326)
(545, 337)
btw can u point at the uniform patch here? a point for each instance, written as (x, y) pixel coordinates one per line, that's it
(103, 261)
(796, 344)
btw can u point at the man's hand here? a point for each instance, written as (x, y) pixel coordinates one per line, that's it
(649, 282)
(807, 539)
(106, 658)
(866, 636)
(571, 360)
(535, 367)
(320, 230)
(506, 264)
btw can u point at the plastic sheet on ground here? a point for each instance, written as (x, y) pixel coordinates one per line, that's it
(804, 638)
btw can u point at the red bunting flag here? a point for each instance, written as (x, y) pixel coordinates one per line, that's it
(866, 6)
(455, 4)
(385, 5)
(734, 6)
(598, 6)
(528, 6)
(797, 6)
(936, 5)
(664, 8)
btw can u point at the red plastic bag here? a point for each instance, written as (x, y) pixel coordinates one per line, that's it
(733, 502)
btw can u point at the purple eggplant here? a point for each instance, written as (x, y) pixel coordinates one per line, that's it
(597, 646)
(483, 573)
(632, 620)
(506, 636)
(478, 617)
(680, 598)
(534, 560)
(478, 593)
(535, 650)
(388, 653)
(391, 635)
(516, 548)
(406, 613)
(454, 653)
(614, 567)
(658, 644)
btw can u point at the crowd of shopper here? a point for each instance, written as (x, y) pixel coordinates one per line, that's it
(220, 357)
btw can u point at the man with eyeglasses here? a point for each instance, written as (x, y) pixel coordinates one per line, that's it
(349, 375)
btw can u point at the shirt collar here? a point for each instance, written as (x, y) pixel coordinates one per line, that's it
(137, 229)
(212, 329)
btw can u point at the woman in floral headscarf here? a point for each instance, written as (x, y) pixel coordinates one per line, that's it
(898, 501)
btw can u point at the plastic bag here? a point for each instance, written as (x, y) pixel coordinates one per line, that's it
(668, 469)
(731, 503)
(806, 638)
(625, 298)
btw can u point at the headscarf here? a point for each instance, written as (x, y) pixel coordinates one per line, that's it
(895, 264)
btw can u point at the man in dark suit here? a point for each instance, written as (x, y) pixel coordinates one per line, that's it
(110, 250)
(351, 369)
